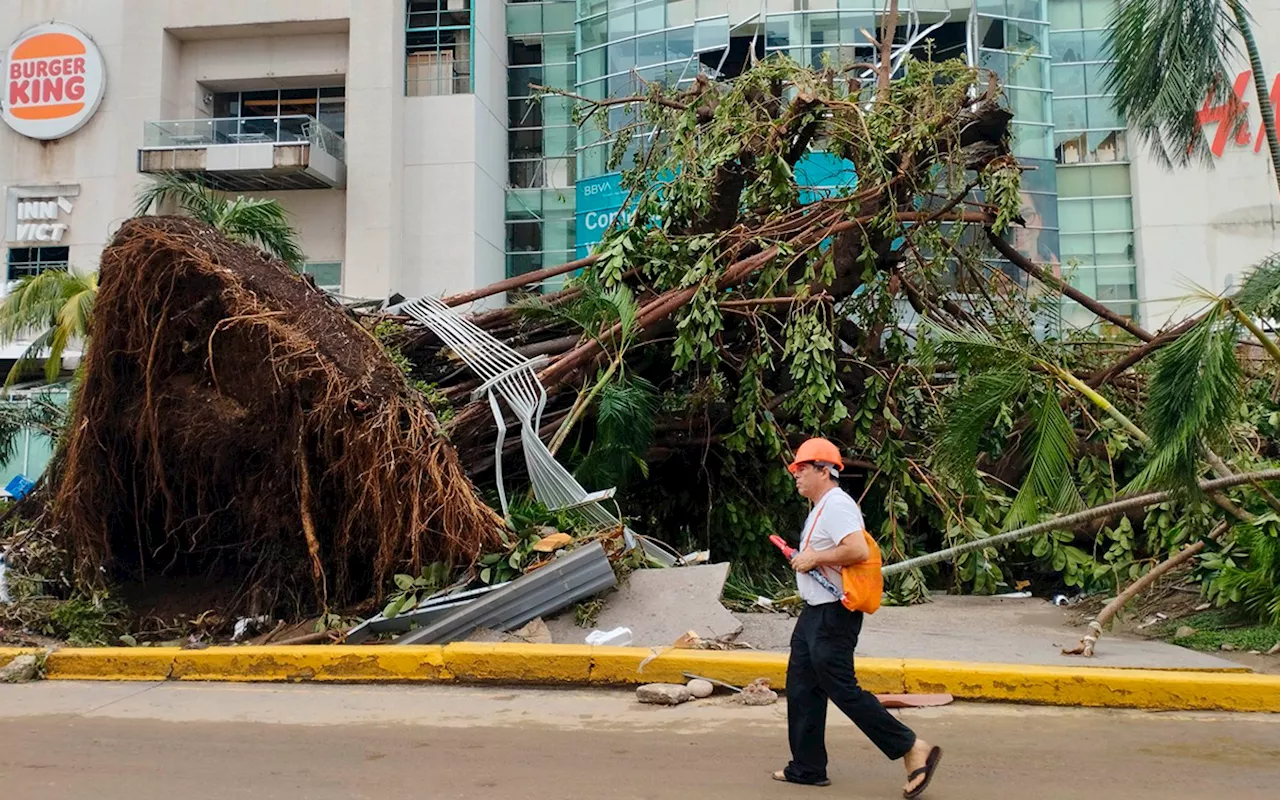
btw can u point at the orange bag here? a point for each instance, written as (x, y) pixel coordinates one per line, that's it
(862, 583)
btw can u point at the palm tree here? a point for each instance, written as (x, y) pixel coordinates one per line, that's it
(58, 303)
(1169, 55)
(254, 221)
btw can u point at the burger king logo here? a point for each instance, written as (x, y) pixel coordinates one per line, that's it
(54, 79)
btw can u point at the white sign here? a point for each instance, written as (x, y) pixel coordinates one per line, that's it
(38, 215)
(53, 81)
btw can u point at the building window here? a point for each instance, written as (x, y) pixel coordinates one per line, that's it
(542, 137)
(438, 57)
(1095, 198)
(326, 274)
(25, 262)
(290, 107)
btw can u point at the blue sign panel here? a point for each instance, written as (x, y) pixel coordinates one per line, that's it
(819, 175)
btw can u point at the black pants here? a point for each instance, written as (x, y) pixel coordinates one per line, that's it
(821, 668)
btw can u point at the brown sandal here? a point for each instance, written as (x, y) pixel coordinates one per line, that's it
(930, 764)
(781, 775)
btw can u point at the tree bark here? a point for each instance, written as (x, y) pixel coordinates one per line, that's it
(1086, 646)
(518, 281)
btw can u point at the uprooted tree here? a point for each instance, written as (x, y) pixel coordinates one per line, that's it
(234, 422)
(734, 310)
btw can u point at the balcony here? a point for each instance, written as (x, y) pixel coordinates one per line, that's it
(239, 154)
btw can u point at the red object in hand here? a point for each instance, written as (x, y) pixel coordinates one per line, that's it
(781, 544)
(816, 574)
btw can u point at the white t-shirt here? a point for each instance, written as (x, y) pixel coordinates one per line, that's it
(837, 516)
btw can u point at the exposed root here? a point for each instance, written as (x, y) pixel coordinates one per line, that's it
(233, 422)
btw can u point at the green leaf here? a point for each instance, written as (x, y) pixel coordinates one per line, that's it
(1050, 448)
(403, 582)
(969, 414)
(1168, 56)
(1193, 396)
(393, 607)
(485, 574)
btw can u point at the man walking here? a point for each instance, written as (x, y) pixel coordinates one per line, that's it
(821, 663)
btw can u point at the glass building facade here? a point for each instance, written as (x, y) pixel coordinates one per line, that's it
(542, 139)
(1095, 203)
(1048, 54)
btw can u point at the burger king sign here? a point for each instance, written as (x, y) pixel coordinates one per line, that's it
(53, 81)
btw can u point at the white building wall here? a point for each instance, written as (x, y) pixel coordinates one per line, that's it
(422, 210)
(455, 173)
(375, 151)
(1203, 227)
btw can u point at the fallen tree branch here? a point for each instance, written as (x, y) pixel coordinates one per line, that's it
(1086, 645)
(518, 281)
(612, 101)
(1139, 353)
(667, 303)
(1066, 522)
(1026, 265)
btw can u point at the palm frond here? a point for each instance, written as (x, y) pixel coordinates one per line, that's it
(25, 363)
(37, 414)
(263, 223)
(969, 415)
(190, 194)
(625, 415)
(1252, 578)
(35, 302)
(256, 221)
(594, 310)
(621, 298)
(974, 346)
(1051, 448)
(57, 303)
(1259, 294)
(1194, 393)
(1168, 56)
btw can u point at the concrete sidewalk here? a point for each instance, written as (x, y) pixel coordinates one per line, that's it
(989, 629)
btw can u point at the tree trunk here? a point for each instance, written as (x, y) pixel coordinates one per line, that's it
(1085, 648)
(1066, 522)
(1259, 85)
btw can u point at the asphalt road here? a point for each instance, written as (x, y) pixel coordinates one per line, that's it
(182, 742)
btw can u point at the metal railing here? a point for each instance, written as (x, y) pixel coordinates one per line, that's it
(174, 134)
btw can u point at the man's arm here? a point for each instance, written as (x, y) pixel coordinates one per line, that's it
(851, 550)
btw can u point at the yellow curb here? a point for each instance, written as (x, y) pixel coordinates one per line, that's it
(111, 664)
(311, 663)
(584, 665)
(1096, 687)
(8, 654)
(630, 665)
(518, 663)
(634, 665)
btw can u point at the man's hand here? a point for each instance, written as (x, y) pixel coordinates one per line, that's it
(805, 560)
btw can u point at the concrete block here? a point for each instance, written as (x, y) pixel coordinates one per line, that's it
(659, 605)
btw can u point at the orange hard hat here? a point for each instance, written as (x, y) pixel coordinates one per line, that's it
(819, 450)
